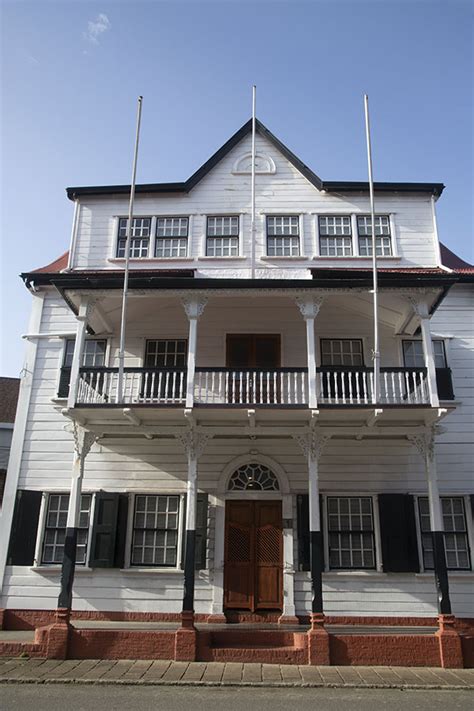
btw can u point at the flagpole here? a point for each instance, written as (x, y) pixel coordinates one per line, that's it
(123, 319)
(252, 229)
(376, 351)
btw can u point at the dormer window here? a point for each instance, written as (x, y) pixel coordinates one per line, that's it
(171, 237)
(383, 242)
(283, 236)
(139, 237)
(222, 237)
(335, 236)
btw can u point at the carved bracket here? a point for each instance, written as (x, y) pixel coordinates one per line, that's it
(312, 443)
(419, 307)
(87, 309)
(194, 305)
(310, 305)
(424, 442)
(83, 439)
(193, 441)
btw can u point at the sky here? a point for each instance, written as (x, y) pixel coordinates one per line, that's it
(71, 72)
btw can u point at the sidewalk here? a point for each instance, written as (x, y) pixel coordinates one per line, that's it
(94, 671)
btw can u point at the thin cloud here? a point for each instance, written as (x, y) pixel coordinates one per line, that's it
(96, 28)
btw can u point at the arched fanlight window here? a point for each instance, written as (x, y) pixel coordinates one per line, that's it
(253, 477)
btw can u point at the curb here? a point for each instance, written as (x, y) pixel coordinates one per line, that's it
(248, 684)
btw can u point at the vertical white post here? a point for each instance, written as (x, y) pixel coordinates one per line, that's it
(85, 310)
(309, 308)
(421, 310)
(252, 229)
(194, 307)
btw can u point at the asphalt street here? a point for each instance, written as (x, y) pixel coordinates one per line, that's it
(57, 697)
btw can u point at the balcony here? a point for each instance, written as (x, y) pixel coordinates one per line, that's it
(250, 387)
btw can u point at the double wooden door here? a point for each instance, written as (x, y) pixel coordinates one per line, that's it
(253, 563)
(259, 353)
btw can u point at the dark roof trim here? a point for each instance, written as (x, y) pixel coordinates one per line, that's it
(187, 185)
(153, 281)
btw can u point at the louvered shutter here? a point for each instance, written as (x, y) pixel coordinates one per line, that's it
(201, 532)
(24, 527)
(302, 522)
(121, 535)
(104, 530)
(398, 533)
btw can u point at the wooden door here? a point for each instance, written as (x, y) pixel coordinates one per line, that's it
(253, 567)
(260, 352)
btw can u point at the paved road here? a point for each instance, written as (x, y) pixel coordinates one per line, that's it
(57, 697)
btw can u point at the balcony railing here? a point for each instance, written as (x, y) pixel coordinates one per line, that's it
(247, 387)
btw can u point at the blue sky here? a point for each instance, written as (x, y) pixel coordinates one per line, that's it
(72, 70)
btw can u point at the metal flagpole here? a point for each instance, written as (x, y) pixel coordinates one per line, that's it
(252, 230)
(376, 351)
(127, 258)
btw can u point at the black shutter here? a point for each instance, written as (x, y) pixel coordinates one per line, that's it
(398, 533)
(444, 383)
(121, 535)
(24, 528)
(302, 522)
(64, 380)
(201, 532)
(104, 530)
(472, 506)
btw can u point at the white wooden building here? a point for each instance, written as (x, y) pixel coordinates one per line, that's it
(247, 433)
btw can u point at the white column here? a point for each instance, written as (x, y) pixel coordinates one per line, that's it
(85, 312)
(218, 571)
(421, 310)
(194, 307)
(309, 307)
(289, 609)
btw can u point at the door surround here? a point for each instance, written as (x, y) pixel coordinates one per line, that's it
(222, 495)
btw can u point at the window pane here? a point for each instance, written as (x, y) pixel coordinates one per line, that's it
(159, 543)
(455, 539)
(55, 528)
(350, 526)
(222, 247)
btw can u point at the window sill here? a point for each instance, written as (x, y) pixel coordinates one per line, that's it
(163, 571)
(149, 260)
(357, 257)
(55, 569)
(461, 574)
(207, 258)
(355, 573)
(279, 258)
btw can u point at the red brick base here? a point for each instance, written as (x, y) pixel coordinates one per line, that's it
(450, 647)
(318, 642)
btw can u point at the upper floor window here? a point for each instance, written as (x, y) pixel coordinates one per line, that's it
(139, 237)
(414, 357)
(166, 353)
(341, 351)
(222, 238)
(455, 533)
(283, 236)
(171, 237)
(383, 242)
(335, 236)
(92, 355)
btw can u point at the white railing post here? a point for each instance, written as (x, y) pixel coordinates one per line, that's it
(194, 307)
(421, 310)
(309, 307)
(85, 312)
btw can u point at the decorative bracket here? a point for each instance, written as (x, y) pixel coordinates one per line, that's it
(424, 442)
(313, 442)
(194, 305)
(193, 441)
(83, 440)
(419, 307)
(310, 305)
(87, 309)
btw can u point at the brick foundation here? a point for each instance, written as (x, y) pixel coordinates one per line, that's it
(450, 647)
(318, 642)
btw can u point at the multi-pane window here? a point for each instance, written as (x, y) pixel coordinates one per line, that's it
(155, 531)
(383, 243)
(92, 355)
(171, 237)
(283, 236)
(351, 532)
(139, 236)
(166, 353)
(341, 351)
(335, 236)
(413, 355)
(455, 533)
(55, 528)
(222, 237)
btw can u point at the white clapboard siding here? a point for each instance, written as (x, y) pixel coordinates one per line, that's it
(220, 191)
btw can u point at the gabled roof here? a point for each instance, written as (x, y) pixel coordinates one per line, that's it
(452, 261)
(187, 185)
(57, 266)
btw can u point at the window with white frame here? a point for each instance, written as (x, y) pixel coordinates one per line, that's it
(166, 353)
(335, 236)
(171, 237)
(55, 529)
(222, 238)
(414, 357)
(351, 539)
(383, 241)
(341, 351)
(139, 237)
(155, 531)
(283, 235)
(93, 355)
(455, 533)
